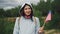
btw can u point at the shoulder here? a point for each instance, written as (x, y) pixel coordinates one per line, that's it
(36, 18)
(17, 18)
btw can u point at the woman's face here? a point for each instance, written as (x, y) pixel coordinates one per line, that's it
(27, 10)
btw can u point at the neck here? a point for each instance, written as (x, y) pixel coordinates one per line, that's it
(28, 17)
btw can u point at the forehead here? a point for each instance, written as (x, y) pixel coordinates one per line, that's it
(27, 6)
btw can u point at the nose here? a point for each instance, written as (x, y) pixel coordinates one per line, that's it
(28, 10)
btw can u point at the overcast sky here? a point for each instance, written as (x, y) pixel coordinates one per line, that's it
(8, 4)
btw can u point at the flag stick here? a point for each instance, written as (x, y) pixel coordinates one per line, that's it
(44, 25)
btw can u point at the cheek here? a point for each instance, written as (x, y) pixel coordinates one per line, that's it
(25, 11)
(30, 11)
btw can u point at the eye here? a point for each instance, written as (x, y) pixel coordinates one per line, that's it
(29, 8)
(25, 8)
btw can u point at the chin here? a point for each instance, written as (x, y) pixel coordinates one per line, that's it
(29, 14)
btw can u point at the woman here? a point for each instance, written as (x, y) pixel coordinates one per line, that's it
(27, 23)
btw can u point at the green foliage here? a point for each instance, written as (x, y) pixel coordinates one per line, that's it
(1, 26)
(6, 27)
(14, 12)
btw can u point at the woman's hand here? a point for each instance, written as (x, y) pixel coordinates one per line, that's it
(41, 29)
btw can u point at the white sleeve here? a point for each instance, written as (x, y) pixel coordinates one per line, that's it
(37, 25)
(15, 31)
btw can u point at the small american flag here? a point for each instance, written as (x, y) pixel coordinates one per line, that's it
(48, 18)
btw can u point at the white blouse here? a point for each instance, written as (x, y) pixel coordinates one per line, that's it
(26, 26)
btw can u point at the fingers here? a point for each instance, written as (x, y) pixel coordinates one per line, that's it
(41, 29)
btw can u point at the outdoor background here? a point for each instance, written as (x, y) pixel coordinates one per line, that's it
(9, 12)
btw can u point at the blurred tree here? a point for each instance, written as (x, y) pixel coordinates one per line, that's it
(2, 13)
